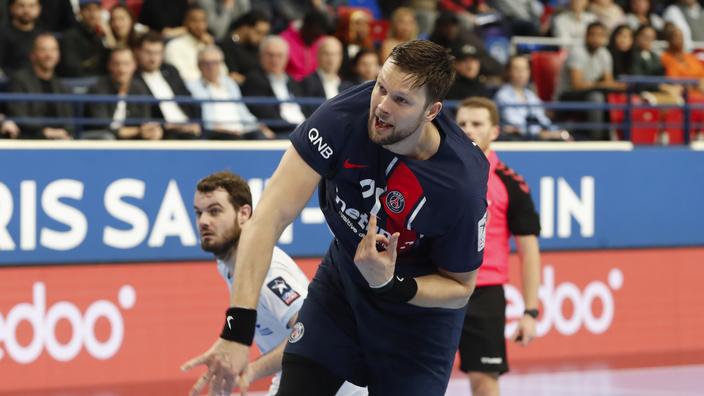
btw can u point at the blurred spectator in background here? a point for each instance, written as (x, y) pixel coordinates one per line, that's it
(640, 12)
(282, 12)
(571, 23)
(647, 63)
(523, 123)
(679, 63)
(222, 12)
(230, 120)
(123, 28)
(403, 28)
(271, 80)
(303, 40)
(449, 34)
(466, 11)
(354, 31)
(426, 13)
(57, 15)
(8, 128)
(123, 120)
(4, 17)
(587, 73)
(608, 13)
(165, 16)
(520, 17)
(84, 51)
(467, 80)
(241, 48)
(17, 37)
(621, 49)
(688, 16)
(365, 66)
(40, 78)
(164, 82)
(325, 82)
(182, 51)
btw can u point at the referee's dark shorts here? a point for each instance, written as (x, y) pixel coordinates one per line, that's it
(482, 344)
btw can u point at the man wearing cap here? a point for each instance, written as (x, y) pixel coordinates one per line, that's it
(468, 81)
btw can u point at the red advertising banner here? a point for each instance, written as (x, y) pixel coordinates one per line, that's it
(621, 308)
(87, 326)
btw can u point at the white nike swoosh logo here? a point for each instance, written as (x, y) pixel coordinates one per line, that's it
(229, 318)
(399, 279)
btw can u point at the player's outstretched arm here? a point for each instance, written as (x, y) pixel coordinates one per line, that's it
(285, 195)
(287, 192)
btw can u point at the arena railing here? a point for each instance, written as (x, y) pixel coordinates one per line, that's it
(522, 44)
(82, 100)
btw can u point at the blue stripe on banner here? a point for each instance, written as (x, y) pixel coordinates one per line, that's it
(97, 202)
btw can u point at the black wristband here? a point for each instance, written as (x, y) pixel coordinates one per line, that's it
(533, 313)
(398, 289)
(239, 325)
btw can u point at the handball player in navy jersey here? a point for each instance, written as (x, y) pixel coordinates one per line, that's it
(403, 191)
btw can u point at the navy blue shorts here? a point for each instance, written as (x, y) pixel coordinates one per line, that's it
(394, 349)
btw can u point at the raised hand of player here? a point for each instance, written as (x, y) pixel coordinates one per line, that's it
(376, 267)
(526, 330)
(225, 360)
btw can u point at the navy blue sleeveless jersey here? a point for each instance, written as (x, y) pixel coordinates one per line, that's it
(437, 205)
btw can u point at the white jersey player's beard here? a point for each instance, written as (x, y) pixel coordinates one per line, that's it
(221, 250)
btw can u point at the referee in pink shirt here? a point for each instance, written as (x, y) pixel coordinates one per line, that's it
(510, 212)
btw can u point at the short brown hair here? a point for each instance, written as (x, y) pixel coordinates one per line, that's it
(149, 37)
(477, 102)
(236, 187)
(430, 65)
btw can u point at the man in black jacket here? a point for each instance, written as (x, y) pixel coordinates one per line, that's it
(468, 81)
(127, 120)
(17, 36)
(40, 78)
(241, 48)
(83, 51)
(180, 120)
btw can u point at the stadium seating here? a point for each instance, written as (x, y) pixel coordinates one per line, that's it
(546, 66)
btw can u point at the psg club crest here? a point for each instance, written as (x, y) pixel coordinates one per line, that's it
(296, 333)
(395, 202)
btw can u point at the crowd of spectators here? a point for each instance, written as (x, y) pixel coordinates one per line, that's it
(218, 53)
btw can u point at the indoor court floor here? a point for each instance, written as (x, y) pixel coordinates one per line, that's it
(680, 380)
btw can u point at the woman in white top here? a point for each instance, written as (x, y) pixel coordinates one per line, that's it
(523, 122)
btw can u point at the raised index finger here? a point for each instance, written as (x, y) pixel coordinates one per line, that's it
(371, 230)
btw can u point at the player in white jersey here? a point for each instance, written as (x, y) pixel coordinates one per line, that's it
(223, 204)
